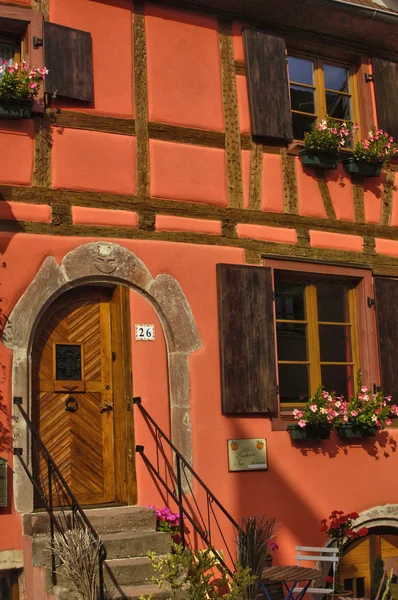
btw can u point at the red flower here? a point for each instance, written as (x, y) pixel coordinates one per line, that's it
(363, 531)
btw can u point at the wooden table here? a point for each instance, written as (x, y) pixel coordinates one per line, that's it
(288, 577)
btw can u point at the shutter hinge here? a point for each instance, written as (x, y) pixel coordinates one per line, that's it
(273, 295)
(371, 302)
(113, 356)
(368, 78)
(277, 390)
(376, 388)
(37, 42)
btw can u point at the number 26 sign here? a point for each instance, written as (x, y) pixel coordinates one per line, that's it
(145, 333)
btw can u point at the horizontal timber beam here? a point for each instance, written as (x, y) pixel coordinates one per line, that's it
(36, 195)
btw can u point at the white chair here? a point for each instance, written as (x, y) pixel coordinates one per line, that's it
(311, 553)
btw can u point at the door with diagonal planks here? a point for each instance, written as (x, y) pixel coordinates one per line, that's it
(82, 422)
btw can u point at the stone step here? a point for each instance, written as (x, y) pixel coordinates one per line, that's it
(118, 545)
(128, 571)
(121, 593)
(115, 519)
(130, 545)
(117, 572)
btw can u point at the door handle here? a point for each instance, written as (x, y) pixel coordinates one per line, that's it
(105, 407)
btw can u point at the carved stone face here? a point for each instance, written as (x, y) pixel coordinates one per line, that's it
(105, 262)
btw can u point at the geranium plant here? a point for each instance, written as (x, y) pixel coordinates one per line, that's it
(166, 520)
(378, 147)
(339, 527)
(19, 83)
(322, 410)
(368, 410)
(329, 136)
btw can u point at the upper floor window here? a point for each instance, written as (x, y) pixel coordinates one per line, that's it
(319, 88)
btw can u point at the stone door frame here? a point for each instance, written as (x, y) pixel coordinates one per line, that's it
(96, 263)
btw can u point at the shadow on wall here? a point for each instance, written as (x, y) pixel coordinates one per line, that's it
(284, 491)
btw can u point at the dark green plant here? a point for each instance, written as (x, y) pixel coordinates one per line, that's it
(254, 547)
(378, 572)
(190, 575)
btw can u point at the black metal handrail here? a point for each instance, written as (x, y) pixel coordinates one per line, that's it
(65, 514)
(201, 524)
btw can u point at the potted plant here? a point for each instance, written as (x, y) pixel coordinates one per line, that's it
(339, 528)
(323, 142)
(371, 154)
(365, 413)
(317, 417)
(168, 521)
(256, 542)
(19, 86)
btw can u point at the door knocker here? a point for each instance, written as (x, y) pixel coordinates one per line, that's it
(105, 407)
(71, 404)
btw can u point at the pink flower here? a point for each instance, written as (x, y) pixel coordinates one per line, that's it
(302, 423)
(388, 422)
(313, 408)
(364, 389)
(354, 413)
(10, 70)
(33, 85)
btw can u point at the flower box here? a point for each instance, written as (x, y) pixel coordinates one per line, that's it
(317, 159)
(15, 111)
(362, 167)
(354, 430)
(309, 432)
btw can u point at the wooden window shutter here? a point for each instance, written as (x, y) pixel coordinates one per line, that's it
(268, 87)
(386, 303)
(68, 56)
(385, 77)
(247, 345)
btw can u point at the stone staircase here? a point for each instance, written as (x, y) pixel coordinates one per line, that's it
(128, 532)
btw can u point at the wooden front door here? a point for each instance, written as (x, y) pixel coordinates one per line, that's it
(80, 419)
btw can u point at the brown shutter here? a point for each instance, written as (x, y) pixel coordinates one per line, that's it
(385, 77)
(247, 346)
(266, 72)
(386, 303)
(68, 56)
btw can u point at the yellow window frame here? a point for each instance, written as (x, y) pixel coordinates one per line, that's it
(312, 323)
(320, 90)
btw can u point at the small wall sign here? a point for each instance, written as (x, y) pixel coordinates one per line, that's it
(3, 482)
(247, 454)
(145, 333)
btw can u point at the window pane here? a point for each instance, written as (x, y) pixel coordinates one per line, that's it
(301, 124)
(335, 343)
(292, 341)
(338, 106)
(301, 70)
(332, 303)
(289, 300)
(302, 98)
(360, 585)
(349, 585)
(338, 378)
(336, 78)
(293, 383)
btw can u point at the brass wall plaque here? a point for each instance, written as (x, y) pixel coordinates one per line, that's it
(3, 483)
(247, 455)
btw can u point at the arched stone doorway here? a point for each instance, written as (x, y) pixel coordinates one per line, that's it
(102, 262)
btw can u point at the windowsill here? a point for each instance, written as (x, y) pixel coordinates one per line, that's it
(296, 146)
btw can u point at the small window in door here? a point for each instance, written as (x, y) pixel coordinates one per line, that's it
(68, 362)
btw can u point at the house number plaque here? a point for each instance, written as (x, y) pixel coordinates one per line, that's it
(247, 455)
(145, 333)
(3, 482)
